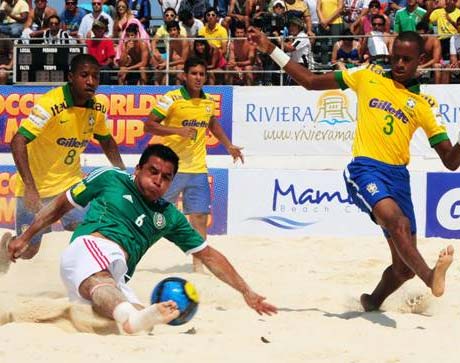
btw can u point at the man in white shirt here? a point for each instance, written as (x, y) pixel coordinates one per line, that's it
(84, 31)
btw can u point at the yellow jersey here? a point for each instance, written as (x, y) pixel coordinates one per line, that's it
(178, 109)
(444, 27)
(58, 132)
(388, 115)
(215, 36)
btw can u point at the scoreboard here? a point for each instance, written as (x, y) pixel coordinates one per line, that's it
(43, 63)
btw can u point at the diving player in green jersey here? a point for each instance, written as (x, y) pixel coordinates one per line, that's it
(126, 216)
(390, 109)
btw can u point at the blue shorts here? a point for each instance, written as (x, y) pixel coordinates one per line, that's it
(196, 194)
(369, 181)
(25, 217)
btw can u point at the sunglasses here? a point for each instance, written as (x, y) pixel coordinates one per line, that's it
(98, 4)
(70, 3)
(121, 7)
(54, 23)
(210, 15)
(169, 15)
(378, 24)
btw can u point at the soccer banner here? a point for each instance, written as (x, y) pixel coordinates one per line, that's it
(127, 109)
(302, 203)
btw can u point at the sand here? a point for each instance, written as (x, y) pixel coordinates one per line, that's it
(315, 282)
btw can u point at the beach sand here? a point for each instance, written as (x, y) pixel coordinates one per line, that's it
(315, 282)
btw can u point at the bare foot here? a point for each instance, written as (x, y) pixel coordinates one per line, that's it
(4, 257)
(446, 256)
(147, 318)
(366, 302)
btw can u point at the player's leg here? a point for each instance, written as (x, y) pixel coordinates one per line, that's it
(24, 219)
(197, 206)
(93, 269)
(392, 279)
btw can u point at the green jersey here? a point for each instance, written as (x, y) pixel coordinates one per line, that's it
(119, 212)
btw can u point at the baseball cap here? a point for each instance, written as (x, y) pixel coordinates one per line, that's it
(279, 2)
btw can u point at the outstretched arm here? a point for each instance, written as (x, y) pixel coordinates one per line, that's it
(217, 130)
(49, 214)
(110, 148)
(450, 155)
(223, 270)
(301, 75)
(21, 159)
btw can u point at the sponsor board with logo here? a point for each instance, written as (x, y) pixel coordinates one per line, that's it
(218, 181)
(443, 205)
(127, 108)
(301, 203)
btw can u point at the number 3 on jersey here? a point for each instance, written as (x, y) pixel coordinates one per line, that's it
(388, 128)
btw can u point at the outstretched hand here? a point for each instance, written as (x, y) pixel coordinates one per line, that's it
(235, 152)
(256, 302)
(260, 40)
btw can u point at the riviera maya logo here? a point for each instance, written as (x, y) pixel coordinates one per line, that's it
(281, 222)
(333, 109)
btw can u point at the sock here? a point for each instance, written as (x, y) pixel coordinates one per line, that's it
(133, 320)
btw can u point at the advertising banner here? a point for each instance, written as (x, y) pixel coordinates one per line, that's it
(443, 205)
(127, 108)
(218, 181)
(294, 203)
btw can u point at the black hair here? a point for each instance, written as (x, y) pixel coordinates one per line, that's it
(170, 9)
(161, 151)
(209, 10)
(172, 24)
(81, 59)
(54, 16)
(379, 16)
(423, 25)
(193, 62)
(374, 2)
(132, 28)
(185, 14)
(207, 48)
(240, 25)
(412, 37)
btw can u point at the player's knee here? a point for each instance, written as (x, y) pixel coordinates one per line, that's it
(399, 226)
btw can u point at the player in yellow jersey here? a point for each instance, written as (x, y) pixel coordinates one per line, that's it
(390, 109)
(182, 117)
(47, 147)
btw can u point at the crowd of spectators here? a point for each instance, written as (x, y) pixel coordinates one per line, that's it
(319, 34)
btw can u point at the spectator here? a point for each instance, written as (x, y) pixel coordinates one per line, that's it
(377, 44)
(352, 11)
(407, 18)
(123, 16)
(237, 11)
(178, 52)
(6, 58)
(346, 52)
(13, 15)
(298, 8)
(364, 23)
(215, 33)
(35, 26)
(71, 17)
(298, 46)
(331, 24)
(84, 31)
(141, 9)
(54, 34)
(432, 53)
(313, 14)
(170, 4)
(102, 48)
(191, 24)
(134, 57)
(196, 7)
(241, 57)
(455, 50)
(161, 33)
(445, 20)
(211, 55)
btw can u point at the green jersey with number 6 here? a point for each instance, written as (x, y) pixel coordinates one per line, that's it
(58, 132)
(119, 212)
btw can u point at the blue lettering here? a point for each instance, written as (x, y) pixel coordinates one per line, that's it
(443, 109)
(250, 107)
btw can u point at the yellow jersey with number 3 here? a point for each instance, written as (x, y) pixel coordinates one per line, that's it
(388, 115)
(178, 109)
(58, 132)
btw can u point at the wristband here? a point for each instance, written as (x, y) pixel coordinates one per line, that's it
(279, 57)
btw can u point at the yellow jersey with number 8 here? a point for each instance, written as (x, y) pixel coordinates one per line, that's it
(388, 115)
(58, 132)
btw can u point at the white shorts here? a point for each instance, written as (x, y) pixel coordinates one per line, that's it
(87, 255)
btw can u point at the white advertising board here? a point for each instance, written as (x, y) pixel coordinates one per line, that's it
(302, 202)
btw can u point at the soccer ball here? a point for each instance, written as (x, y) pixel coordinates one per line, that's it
(181, 291)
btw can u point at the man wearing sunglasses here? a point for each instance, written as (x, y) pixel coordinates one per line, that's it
(215, 33)
(84, 31)
(71, 17)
